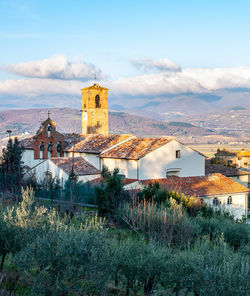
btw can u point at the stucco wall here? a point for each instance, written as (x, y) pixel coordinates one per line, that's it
(48, 166)
(28, 159)
(155, 164)
(238, 206)
(56, 172)
(126, 167)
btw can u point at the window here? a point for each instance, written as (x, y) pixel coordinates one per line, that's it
(178, 153)
(41, 151)
(59, 149)
(202, 201)
(216, 202)
(98, 124)
(49, 129)
(50, 147)
(97, 101)
(172, 173)
(229, 200)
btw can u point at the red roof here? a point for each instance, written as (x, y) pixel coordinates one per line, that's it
(28, 143)
(213, 184)
(96, 143)
(135, 148)
(81, 166)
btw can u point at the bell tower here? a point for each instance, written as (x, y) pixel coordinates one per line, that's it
(95, 110)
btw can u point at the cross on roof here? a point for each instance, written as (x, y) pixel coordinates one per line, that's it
(48, 113)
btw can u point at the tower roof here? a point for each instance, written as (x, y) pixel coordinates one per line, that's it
(95, 86)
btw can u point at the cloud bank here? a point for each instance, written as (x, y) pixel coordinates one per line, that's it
(56, 67)
(55, 78)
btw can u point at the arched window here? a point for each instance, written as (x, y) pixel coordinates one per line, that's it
(49, 129)
(97, 101)
(59, 148)
(229, 200)
(41, 148)
(216, 202)
(202, 201)
(50, 148)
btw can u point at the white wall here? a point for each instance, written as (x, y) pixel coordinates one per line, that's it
(126, 167)
(28, 158)
(238, 206)
(56, 172)
(48, 166)
(155, 164)
(91, 158)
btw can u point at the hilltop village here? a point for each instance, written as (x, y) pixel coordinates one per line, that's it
(140, 161)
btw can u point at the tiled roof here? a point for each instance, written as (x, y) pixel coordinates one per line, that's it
(224, 170)
(95, 86)
(96, 143)
(81, 166)
(128, 181)
(28, 143)
(214, 184)
(135, 148)
(99, 181)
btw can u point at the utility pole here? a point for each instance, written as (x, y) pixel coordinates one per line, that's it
(9, 132)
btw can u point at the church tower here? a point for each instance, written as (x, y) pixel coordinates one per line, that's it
(95, 110)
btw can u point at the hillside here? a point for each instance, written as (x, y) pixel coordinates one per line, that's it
(69, 120)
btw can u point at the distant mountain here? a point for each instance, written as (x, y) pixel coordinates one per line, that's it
(234, 121)
(69, 121)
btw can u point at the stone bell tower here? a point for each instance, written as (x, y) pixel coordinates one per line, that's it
(95, 110)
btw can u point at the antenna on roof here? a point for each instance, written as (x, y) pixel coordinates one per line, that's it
(49, 113)
(95, 79)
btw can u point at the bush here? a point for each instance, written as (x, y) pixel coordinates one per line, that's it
(210, 268)
(236, 234)
(155, 222)
(67, 262)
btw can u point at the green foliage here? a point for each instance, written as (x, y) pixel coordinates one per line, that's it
(236, 234)
(110, 197)
(11, 169)
(138, 266)
(168, 252)
(67, 262)
(209, 268)
(155, 222)
(170, 199)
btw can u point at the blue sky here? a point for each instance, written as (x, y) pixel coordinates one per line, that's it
(112, 35)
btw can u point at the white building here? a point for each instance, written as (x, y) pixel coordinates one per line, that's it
(139, 158)
(216, 190)
(61, 167)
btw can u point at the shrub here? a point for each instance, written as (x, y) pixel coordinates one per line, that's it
(155, 222)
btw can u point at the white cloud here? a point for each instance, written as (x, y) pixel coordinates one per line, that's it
(56, 67)
(186, 81)
(36, 87)
(153, 85)
(147, 64)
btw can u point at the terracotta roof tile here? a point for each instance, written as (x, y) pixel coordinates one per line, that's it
(213, 184)
(135, 148)
(224, 170)
(28, 143)
(96, 143)
(81, 166)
